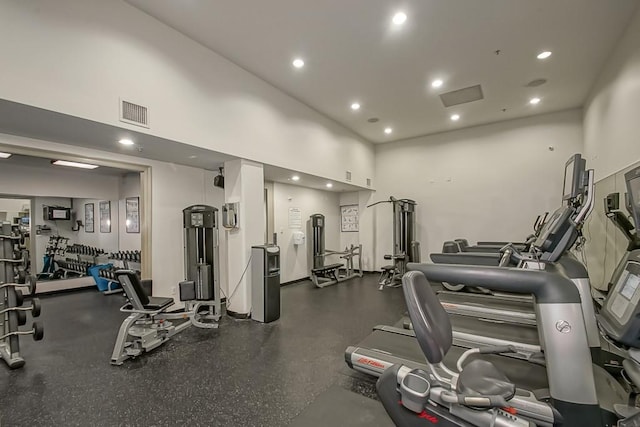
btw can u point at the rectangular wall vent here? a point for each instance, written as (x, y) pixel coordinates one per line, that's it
(368, 182)
(348, 176)
(134, 114)
(462, 96)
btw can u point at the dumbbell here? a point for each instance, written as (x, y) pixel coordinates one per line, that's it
(37, 332)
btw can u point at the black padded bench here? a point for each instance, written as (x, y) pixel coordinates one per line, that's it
(329, 271)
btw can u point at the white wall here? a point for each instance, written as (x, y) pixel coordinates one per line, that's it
(482, 183)
(78, 58)
(611, 125)
(109, 242)
(10, 208)
(129, 187)
(294, 259)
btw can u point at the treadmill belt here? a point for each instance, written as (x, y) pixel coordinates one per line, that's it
(488, 301)
(524, 334)
(523, 374)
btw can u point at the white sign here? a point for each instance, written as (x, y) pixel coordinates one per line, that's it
(295, 218)
(349, 218)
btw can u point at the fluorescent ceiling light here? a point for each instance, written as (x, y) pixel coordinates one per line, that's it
(5, 155)
(73, 164)
(437, 83)
(298, 63)
(455, 117)
(355, 106)
(388, 130)
(126, 141)
(534, 101)
(399, 18)
(295, 178)
(329, 185)
(544, 55)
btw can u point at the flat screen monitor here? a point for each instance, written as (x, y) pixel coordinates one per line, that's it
(573, 184)
(633, 192)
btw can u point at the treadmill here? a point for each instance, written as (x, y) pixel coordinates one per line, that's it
(387, 346)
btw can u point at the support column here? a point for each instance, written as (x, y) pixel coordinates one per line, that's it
(243, 183)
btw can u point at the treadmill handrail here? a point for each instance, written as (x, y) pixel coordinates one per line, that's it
(547, 287)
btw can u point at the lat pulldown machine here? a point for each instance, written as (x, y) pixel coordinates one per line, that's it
(405, 246)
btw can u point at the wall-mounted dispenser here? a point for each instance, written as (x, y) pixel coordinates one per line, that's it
(298, 238)
(230, 215)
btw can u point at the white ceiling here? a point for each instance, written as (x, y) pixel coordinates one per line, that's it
(45, 163)
(353, 52)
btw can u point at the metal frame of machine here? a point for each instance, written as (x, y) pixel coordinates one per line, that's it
(322, 274)
(149, 322)
(405, 247)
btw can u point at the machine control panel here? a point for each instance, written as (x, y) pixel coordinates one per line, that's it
(619, 316)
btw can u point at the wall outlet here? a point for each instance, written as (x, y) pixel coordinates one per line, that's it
(173, 290)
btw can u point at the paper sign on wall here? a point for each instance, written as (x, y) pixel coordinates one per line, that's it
(349, 218)
(295, 218)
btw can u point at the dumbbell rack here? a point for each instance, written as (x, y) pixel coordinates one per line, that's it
(79, 258)
(12, 314)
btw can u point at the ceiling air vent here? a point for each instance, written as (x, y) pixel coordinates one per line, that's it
(134, 114)
(462, 96)
(348, 176)
(368, 182)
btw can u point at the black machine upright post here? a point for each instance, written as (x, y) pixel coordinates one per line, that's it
(317, 229)
(201, 259)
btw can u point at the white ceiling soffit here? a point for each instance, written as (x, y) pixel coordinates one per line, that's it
(353, 53)
(32, 122)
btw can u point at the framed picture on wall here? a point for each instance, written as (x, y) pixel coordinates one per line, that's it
(88, 218)
(133, 214)
(105, 217)
(349, 218)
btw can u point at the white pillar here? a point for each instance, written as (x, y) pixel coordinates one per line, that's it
(243, 183)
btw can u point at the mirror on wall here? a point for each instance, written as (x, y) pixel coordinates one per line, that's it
(77, 226)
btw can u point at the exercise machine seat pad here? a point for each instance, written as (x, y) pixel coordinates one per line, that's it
(430, 321)
(328, 267)
(156, 303)
(482, 378)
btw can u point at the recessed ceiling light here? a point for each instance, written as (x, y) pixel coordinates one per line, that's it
(329, 185)
(534, 101)
(73, 164)
(544, 55)
(298, 63)
(399, 18)
(436, 83)
(355, 106)
(5, 155)
(295, 178)
(126, 141)
(193, 157)
(388, 130)
(455, 117)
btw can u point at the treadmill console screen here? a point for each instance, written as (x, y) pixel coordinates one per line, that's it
(630, 286)
(633, 192)
(574, 172)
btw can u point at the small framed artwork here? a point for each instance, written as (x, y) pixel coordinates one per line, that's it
(105, 217)
(88, 218)
(132, 221)
(349, 218)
